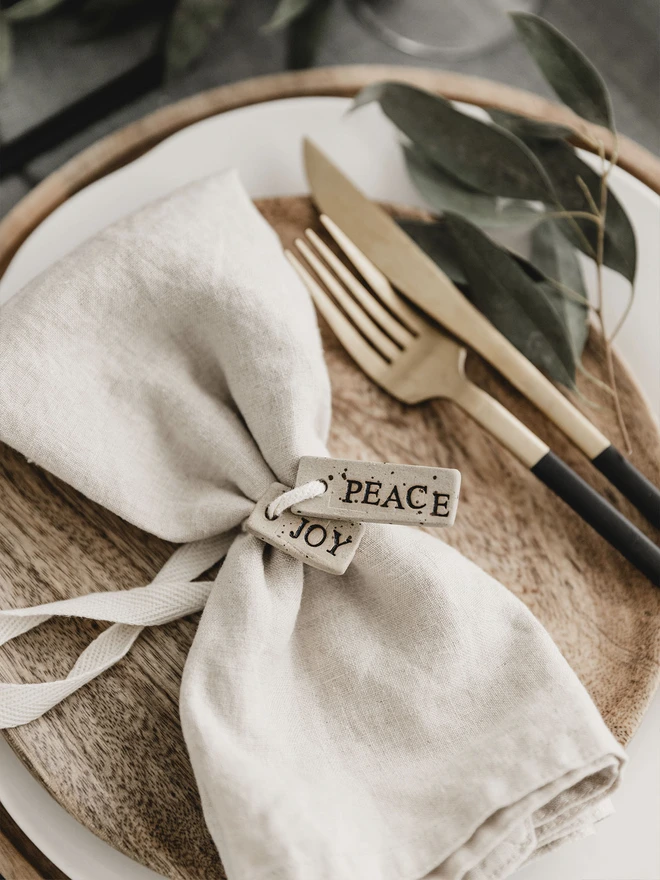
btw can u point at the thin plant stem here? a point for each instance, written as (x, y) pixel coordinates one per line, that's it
(617, 399)
(586, 400)
(587, 194)
(600, 248)
(593, 378)
(572, 294)
(570, 215)
(622, 320)
(567, 214)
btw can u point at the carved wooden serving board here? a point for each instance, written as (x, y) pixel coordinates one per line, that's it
(113, 754)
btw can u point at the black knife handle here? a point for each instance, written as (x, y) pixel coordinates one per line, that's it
(600, 514)
(630, 482)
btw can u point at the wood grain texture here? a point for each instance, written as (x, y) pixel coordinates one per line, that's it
(14, 866)
(113, 754)
(19, 857)
(130, 142)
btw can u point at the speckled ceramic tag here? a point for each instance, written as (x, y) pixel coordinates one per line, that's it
(376, 491)
(328, 544)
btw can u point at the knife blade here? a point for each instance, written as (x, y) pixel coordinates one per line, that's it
(415, 275)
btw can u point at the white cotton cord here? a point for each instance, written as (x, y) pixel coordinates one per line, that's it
(295, 496)
(173, 593)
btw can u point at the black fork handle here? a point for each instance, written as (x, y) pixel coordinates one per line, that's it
(630, 482)
(599, 513)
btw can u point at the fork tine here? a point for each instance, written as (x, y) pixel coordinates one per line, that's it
(367, 300)
(374, 276)
(362, 321)
(361, 352)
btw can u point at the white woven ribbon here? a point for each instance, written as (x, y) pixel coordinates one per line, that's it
(172, 594)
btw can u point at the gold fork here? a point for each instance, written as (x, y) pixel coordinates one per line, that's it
(413, 360)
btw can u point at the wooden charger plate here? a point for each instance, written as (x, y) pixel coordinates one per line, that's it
(113, 754)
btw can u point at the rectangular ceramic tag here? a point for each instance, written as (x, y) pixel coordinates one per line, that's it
(327, 544)
(376, 491)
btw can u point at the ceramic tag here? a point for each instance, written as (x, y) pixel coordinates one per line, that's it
(327, 544)
(376, 491)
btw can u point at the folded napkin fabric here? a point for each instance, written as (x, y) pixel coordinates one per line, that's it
(408, 719)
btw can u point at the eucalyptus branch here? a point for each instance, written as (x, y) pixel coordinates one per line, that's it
(464, 166)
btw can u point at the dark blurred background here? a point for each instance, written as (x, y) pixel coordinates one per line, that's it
(59, 59)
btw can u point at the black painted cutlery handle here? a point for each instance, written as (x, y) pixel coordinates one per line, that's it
(599, 513)
(564, 482)
(630, 482)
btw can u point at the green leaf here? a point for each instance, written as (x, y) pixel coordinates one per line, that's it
(189, 31)
(523, 126)
(571, 75)
(436, 241)
(444, 192)
(553, 254)
(305, 35)
(26, 9)
(287, 11)
(564, 167)
(6, 52)
(553, 260)
(434, 238)
(519, 308)
(482, 156)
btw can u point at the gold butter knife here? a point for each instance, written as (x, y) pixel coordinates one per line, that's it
(415, 275)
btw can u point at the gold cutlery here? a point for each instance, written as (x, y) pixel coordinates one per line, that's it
(415, 275)
(413, 360)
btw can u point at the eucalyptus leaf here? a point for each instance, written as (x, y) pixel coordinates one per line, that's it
(305, 33)
(6, 51)
(554, 255)
(436, 241)
(517, 306)
(567, 70)
(190, 29)
(444, 192)
(553, 260)
(287, 11)
(523, 126)
(482, 156)
(564, 167)
(27, 9)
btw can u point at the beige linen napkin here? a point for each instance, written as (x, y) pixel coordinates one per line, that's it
(408, 719)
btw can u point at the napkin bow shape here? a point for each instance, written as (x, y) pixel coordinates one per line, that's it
(408, 719)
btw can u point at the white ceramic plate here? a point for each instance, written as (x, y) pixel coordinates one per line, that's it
(263, 142)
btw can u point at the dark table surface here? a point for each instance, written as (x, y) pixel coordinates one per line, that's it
(53, 67)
